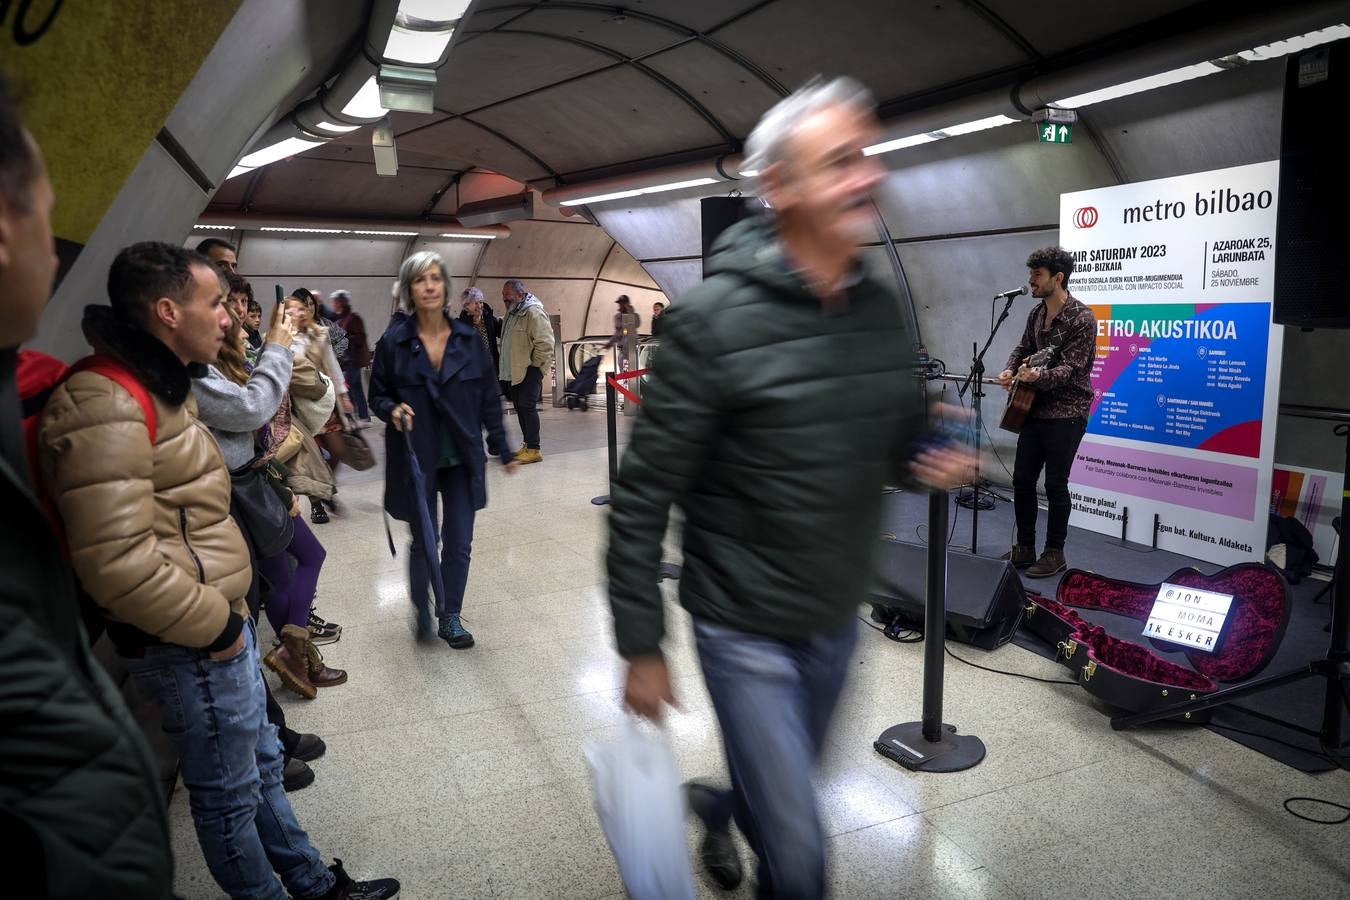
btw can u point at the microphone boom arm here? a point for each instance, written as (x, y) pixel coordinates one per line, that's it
(977, 368)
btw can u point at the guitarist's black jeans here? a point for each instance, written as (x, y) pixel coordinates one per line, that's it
(1050, 444)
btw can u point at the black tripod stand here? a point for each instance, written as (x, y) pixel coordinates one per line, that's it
(1333, 669)
(979, 495)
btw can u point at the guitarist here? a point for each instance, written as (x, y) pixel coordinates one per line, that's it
(1059, 412)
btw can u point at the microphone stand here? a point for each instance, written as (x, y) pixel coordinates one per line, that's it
(975, 384)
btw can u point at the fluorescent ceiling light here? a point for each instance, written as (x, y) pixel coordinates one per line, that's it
(938, 134)
(366, 103)
(601, 198)
(467, 237)
(238, 170)
(279, 150)
(340, 231)
(657, 189)
(433, 10)
(1296, 44)
(1198, 70)
(418, 47)
(304, 230)
(749, 173)
(214, 227)
(1139, 85)
(977, 125)
(330, 126)
(898, 144)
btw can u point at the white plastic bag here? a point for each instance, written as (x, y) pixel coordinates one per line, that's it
(641, 807)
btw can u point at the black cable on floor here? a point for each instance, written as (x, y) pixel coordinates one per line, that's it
(872, 625)
(1341, 821)
(1002, 672)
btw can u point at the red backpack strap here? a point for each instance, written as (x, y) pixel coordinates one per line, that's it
(117, 371)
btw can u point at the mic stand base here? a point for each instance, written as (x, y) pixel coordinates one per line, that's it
(951, 752)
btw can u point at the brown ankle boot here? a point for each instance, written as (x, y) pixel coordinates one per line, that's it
(320, 675)
(292, 668)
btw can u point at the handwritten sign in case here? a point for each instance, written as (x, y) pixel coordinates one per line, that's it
(1188, 616)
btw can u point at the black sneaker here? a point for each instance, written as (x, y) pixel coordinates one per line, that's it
(347, 889)
(317, 514)
(309, 747)
(317, 621)
(296, 775)
(718, 851)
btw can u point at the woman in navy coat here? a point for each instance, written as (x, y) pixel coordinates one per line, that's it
(433, 378)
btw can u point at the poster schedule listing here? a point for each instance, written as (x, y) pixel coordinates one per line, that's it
(1182, 374)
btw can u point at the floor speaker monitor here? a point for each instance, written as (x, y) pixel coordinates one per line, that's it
(985, 599)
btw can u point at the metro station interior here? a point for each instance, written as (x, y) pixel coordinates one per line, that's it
(596, 150)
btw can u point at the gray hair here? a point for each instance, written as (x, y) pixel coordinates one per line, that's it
(472, 295)
(411, 269)
(767, 143)
(517, 285)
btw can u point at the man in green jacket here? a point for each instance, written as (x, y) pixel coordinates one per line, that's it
(81, 812)
(782, 401)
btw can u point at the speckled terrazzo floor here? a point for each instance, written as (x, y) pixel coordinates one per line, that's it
(461, 773)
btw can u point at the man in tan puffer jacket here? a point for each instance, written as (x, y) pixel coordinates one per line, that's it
(152, 540)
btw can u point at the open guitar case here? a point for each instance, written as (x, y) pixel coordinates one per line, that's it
(1132, 677)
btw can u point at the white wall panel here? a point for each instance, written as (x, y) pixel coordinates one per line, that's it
(620, 266)
(460, 256)
(552, 249)
(677, 276)
(1000, 178)
(655, 226)
(304, 254)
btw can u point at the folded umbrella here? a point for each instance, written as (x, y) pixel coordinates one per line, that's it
(426, 527)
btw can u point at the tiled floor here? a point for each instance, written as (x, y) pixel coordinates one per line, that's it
(462, 773)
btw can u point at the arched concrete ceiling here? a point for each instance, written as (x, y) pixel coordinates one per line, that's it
(561, 91)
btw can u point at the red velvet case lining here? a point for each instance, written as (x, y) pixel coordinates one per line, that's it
(1124, 656)
(1253, 633)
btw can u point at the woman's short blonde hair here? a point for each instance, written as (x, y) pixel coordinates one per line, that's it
(412, 268)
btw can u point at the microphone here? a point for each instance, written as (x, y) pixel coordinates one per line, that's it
(1008, 295)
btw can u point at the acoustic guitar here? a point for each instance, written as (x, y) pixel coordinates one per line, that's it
(1022, 394)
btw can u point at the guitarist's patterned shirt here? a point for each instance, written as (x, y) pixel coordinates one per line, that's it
(1064, 390)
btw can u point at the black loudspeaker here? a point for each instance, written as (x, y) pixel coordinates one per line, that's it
(985, 600)
(719, 214)
(1311, 265)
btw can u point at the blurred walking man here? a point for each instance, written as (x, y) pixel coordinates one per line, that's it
(780, 405)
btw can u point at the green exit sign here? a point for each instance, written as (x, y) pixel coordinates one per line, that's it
(1055, 134)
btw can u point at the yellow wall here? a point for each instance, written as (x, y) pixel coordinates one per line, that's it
(97, 83)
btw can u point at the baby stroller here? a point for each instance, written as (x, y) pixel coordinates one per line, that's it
(577, 394)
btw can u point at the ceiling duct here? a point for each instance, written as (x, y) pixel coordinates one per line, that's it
(496, 210)
(652, 181)
(406, 42)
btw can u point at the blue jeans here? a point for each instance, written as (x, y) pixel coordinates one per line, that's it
(774, 700)
(457, 513)
(213, 711)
